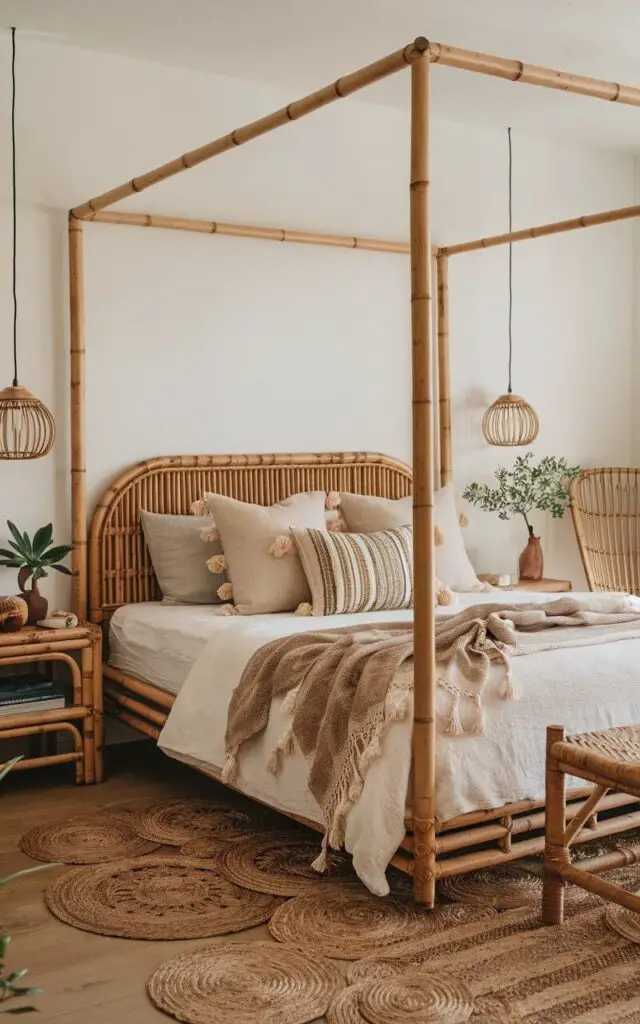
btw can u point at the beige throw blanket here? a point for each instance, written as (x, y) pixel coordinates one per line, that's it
(344, 687)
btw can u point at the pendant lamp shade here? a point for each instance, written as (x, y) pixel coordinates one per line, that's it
(510, 422)
(27, 429)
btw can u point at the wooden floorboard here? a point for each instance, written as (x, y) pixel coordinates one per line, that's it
(87, 979)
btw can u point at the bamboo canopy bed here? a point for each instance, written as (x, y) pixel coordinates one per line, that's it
(111, 566)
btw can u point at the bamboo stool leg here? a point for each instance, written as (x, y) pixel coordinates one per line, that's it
(556, 852)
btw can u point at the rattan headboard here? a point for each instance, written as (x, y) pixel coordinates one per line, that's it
(120, 571)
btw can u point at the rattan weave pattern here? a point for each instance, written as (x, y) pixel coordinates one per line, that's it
(619, 744)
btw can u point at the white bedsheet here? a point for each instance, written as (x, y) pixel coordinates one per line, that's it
(590, 687)
(158, 642)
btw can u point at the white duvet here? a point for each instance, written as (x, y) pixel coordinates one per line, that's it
(582, 688)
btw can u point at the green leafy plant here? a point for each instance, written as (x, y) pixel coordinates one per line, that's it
(525, 488)
(33, 557)
(10, 987)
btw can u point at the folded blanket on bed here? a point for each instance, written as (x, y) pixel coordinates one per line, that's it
(344, 686)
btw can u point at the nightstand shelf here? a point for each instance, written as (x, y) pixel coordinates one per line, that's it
(80, 650)
(543, 586)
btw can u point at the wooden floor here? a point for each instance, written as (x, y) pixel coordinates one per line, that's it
(87, 979)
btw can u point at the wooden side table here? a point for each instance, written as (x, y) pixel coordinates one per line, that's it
(544, 586)
(80, 649)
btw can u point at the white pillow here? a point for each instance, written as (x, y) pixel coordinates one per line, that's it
(452, 561)
(366, 513)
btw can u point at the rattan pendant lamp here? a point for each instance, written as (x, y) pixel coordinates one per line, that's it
(27, 429)
(510, 421)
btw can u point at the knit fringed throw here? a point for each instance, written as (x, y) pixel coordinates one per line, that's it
(345, 686)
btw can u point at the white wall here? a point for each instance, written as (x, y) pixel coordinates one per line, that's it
(207, 344)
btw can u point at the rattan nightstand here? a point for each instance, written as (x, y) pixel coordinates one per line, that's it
(80, 649)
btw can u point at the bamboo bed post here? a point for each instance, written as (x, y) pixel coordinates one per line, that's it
(444, 372)
(78, 469)
(424, 877)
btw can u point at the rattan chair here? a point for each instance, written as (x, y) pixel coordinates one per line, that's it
(605, 504)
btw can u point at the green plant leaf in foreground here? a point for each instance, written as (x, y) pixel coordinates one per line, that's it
(9, 989)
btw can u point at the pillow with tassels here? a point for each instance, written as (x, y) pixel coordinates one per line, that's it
(265, 574)
(357, 572)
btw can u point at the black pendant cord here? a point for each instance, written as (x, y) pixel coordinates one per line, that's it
(13, 153)
(509, 389)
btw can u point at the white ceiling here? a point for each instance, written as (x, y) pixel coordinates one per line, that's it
(303, 44)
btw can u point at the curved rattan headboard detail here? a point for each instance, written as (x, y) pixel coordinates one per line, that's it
(120, 571)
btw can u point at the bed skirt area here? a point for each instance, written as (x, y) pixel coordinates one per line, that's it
(478, 839)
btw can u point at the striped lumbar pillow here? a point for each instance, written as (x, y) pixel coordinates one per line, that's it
(357, 572)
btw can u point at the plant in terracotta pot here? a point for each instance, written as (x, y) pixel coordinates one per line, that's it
(527, 487)
(33, 559)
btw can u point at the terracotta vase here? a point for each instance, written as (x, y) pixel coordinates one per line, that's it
(531, 563)
(36, 602)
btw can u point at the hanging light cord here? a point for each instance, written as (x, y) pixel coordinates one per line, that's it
(13, 152)
(509, 389)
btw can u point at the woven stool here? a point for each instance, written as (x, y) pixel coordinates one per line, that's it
(610, 760)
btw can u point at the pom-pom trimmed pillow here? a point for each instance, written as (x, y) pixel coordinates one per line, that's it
(357, 572)
(263, 577)
(366, 513)
(179, 554)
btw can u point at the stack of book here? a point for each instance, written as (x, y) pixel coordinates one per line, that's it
(21, 694)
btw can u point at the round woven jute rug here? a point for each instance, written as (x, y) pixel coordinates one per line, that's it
(504, 888)
(86, 839)
(280, 863)
(624, 922)
(204, 848)
(177, 821)
(421, 998)
(347, 923)
(156, 898)
(424, 998)
(245, 983)
(345, 1008)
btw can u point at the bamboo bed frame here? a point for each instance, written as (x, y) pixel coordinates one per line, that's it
(116, 569)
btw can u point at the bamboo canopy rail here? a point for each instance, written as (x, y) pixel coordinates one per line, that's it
(213, 227)
(427, 379)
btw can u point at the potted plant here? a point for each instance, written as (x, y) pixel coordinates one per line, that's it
(33, 558)
(526, 488)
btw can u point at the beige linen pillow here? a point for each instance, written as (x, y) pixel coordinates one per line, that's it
(365, 513)
(262, 582)
(179, 557)
(357, 572)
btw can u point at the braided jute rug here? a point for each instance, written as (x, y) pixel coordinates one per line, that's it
(86, 839)
(245, 983)
(175, 822)
(280, 863)
(156, 898)
(516, 971)
(348, 924)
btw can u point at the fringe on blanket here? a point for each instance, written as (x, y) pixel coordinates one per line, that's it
(357, 763)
